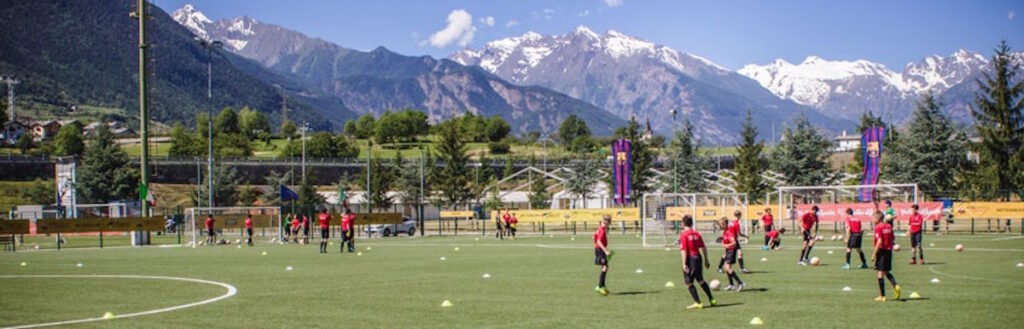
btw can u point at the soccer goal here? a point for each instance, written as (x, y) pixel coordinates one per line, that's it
(661, 214)
(230, 223)
(832, 202)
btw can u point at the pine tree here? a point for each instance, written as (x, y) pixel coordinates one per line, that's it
(539, 197)
(453, 175)
(584, 177)
(929, 152)
(308, 196)
(408, 182)
(802, 157)
(272, 193)
(509, 169)
(382, 180)
(642, 157)
(998, 112)
(225, 188)
(685, 162)
(749, 162)
(106, 173)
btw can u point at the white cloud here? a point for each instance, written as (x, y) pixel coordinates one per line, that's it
(459, 30)
(1011, 15)
(489, 21)
(584, 13)
(545, 13)
(512, 23)
(613, 3)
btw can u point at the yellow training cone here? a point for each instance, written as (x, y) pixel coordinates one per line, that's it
(108, 315)
(669, 284)
(756, 321)
(915, 295)
(446, 303)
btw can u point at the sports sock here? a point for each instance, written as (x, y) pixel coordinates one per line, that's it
(891, 278)
(803, 253)
(766, 239)
(721, 262)
(847, 258)
(601, 282)
(920, 253)
(741, 264)
(707, 290)
(861, 252)
(881, 287)
(809, 251)
(730, 278)
(737, 276)
(693, 293)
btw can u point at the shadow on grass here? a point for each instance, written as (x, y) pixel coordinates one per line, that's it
(631, 293)
(934, 263)
(757, 272)
(754, 289)
(904, 300)
(726, 305)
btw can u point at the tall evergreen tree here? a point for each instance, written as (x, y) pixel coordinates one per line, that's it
(584, 177)
(749, 162)
(308, 196)
(643, 159)
(408, 181)
(225, 188)
(929, 152)
(685, 162)
(802, 157)
(106, 173)
(382, 181)
(453, 175)
(999, 120)
(272, 192)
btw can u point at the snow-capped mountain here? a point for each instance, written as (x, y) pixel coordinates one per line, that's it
(631, 76)
(380, 80)
(848, 88)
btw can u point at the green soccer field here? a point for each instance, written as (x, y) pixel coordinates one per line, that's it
(535, 282)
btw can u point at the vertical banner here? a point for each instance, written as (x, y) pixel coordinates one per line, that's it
(621, 165)
(871, 144)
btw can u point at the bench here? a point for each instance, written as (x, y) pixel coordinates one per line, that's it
(8, 242)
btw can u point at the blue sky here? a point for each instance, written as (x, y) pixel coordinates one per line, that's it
(730, 33)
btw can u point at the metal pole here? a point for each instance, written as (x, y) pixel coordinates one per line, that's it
(304, 127)
(142, 15)
(420, 202)
(209, 123)
(369, 158)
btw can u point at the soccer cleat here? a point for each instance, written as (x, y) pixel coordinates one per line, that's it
(720, 270)
(896, 295)
(727, 288)
(764, 248)
(880, 299)
(739, 288)
(864, 266)
(695, 306)
(714, 302)
(846, 266)
(802, 263)
(922, 261)
(602, 290)
(913, 262)
(744, 270)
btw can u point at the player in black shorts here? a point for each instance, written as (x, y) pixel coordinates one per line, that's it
(854, 235)
(694, 258)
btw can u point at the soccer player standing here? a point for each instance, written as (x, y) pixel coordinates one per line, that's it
(808, 221)
(734, 228)
(513, 223)
(602, 253)
(695, 259)
(916, 224)
(732, 248)
(347, 234)
(882, 257)
(854, 235)
(305, 229)
(324, 220)
(499, 232)
(295, 229)
(211, 235)
(248, 230)
(768, 222)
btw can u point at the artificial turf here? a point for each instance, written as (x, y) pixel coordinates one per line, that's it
(535, 282)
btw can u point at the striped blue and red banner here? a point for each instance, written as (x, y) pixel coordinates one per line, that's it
(871, 144)
(621, 166)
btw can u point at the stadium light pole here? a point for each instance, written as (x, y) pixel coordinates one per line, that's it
(305, 127)
(675, 171)
(422, 183)
(210, 47)
(142, 14)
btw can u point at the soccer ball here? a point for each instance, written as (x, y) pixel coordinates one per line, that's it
(815, 261)
(896, 247)
(959, 248)
(819, 238)
(714, 284)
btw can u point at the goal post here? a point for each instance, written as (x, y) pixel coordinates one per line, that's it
(230, 221)
(661, 214)
(833, 200)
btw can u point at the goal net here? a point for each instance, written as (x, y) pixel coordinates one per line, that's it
(662, 213)
(792, 202)
(229, 223)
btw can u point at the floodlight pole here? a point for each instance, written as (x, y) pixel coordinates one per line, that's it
(142, 14)
(210, 47)
(422, 183)
(305, 126)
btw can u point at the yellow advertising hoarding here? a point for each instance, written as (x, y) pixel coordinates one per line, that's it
(457, 214)
(82, 225)
(572, 215)
(988, 210)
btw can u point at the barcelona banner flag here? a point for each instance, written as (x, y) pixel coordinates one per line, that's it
(621, 165)
(871, 144)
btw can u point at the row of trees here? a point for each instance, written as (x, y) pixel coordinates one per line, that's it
(233, 134)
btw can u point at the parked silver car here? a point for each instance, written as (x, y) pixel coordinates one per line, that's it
(408, 226)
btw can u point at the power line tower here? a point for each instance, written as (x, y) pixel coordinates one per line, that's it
(10, 95)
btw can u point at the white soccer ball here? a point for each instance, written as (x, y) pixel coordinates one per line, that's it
(714, 284)
(896, 247)
(959, 248)
(819, 238)
(815, 261)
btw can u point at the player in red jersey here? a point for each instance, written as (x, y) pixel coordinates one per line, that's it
(768, 222)
(296, 223)
(774, 238)
(734, 228)
(324, 220)
(602, 253)
(513, 223)
(732, 248)
(882, 257)
(211, 235)
(305, 229)
(248, 230)
(807, 222)
(695, 259)
(854, 235)
(916, 225)
(347, 234)
(499, 231)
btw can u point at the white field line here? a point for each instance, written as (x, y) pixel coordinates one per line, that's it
(231, 292)
(967, 277)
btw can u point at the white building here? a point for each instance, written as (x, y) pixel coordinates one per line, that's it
(847, 143)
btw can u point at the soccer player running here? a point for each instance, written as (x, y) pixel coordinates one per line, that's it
(854, 235)
(602, 253)
(882, 257)
(916, 224)
(695, 259)
(347, 234)
(767, 221)
(211, 235)
(248, 230)
(732, 248)
(807, 222)
(324, 220)
(774, 238)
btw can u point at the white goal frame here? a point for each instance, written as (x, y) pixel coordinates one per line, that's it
(725, 202)
(192, 213)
